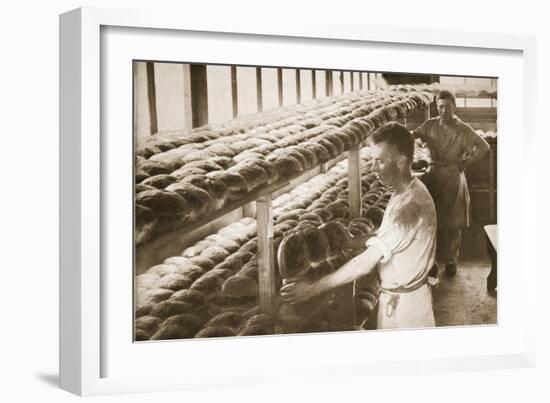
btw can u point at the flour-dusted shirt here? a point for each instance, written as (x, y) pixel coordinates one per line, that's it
(407, 238)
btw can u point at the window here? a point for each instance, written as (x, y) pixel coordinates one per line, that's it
(289, 87)
(220, 106)
(246, 90)
(169, 96)
(306, 85)
(270, 95)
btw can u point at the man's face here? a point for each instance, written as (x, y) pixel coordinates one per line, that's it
(385, 162)
(446, 109)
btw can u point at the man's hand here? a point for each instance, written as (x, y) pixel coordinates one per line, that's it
(297, 291)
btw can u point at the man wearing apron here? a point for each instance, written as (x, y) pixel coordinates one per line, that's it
(403, 248)
(453, 146)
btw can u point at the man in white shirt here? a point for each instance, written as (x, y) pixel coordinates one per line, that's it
(403, 248)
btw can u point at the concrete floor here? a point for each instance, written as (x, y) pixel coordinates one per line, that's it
(463, 299)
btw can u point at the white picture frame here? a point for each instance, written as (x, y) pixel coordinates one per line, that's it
(87, 348)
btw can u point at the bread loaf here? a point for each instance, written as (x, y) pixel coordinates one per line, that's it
(153, 168)
(148, 323)
(146, 223)
(208, 283)
(159, 181)
(164, 309)
(203, 262)
(172, 332)
(233, 320)
(191, 322)
(256, 330)
(240, 286)
(174, 282)
(215, 331)
(162, 202)
(141, 335)
(152, 296)
(250, 269)
(215, 253)
(194, 298)
(317, 244)
(293, 258)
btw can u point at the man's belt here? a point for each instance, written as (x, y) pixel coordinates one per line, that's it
(391, 306)
(404, 290)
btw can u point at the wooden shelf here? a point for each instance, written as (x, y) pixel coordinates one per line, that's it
(172, 244)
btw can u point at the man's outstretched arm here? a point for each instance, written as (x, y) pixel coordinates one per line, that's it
(300, 290)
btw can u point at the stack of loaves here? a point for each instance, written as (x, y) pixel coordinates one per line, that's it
(460, 90)
(185, 176)
(211, 289)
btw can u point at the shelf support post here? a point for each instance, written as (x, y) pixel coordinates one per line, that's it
(266, 254)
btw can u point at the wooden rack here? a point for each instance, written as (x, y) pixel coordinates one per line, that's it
(171, 244)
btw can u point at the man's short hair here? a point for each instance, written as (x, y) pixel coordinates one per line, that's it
(446, 94)
(398, 136)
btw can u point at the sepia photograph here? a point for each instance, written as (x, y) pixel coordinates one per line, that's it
(275, 200)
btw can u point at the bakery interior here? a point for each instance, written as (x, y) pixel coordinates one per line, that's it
(232, 161)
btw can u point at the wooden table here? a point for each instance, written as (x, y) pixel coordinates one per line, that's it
(492, 240)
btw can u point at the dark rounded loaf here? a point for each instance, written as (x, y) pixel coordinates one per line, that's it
(253, 174)
(375, 214)
(260, 319)
(293, 257)
(203, 262)
(208, 283)
(152, 296)
(256, 330)
(141, 188)
(215, 253)
(311, 217)
(287, 166)
(199, 201)
(162, 202)
(337, 142)
(169, 308)
(250, 246)
(309, 156)
(270, 169)
(233, 320)
(329, 146)
(173, 332)
(159, 181)
(215, 331)
(207, 165)
(335, 235)
(317, 244)
(320, 152)
(185, 172)
(235, 184)
(194, 298)
(240, 286)
(174, 282)
(338, 209)
(161, 269)
(224, 162)
(153, 168)
(148, 323)
(189, 321)
(324, 214)
(146, 222)
(141, 335)
(228, 245)
(250, 270)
